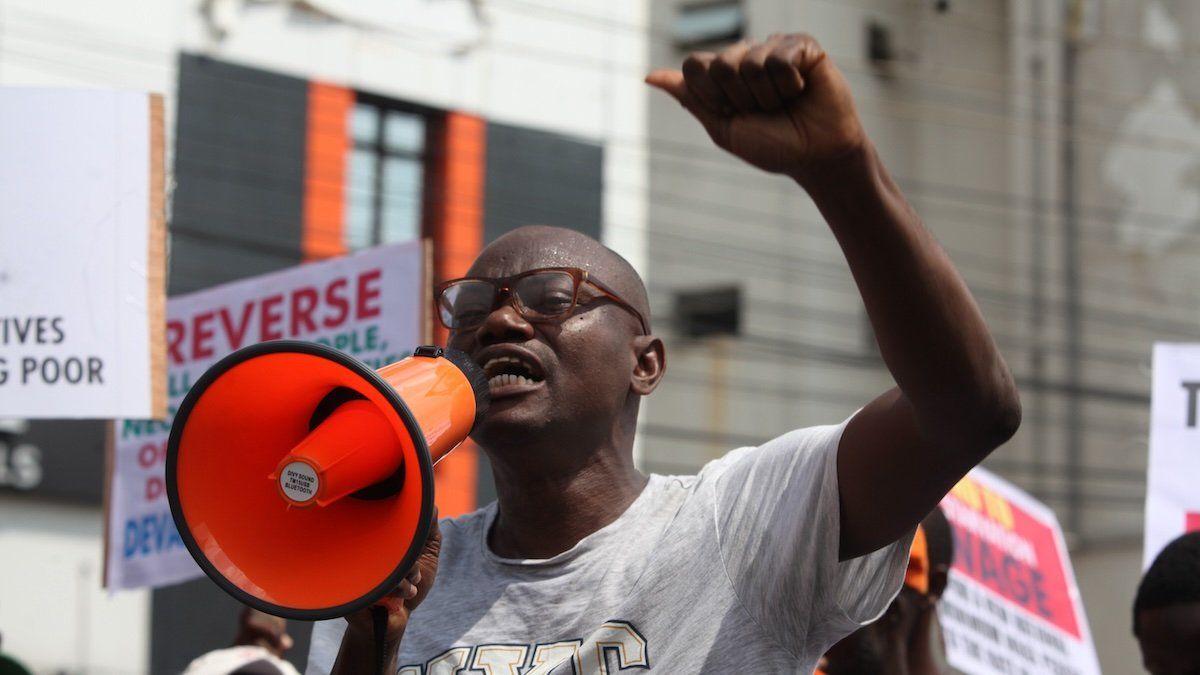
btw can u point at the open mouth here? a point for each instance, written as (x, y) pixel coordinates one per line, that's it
(505, 372)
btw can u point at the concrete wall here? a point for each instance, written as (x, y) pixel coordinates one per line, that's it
(540, 177)
(239, 173)
(1108, 578)
(1138, 144)
(54, 617)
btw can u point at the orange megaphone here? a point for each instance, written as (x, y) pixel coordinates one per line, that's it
(301, 480)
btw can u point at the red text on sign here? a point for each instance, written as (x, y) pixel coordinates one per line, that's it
(298, 311)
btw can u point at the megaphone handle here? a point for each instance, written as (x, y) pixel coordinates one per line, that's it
(379, 615)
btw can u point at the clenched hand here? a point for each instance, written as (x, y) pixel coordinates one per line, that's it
(780, 105)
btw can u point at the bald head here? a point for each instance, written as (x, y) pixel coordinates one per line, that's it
(535, 246)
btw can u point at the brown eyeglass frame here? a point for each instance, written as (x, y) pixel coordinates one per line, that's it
(503, 285)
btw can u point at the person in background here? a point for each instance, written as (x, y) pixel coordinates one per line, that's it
(258, 649)
(927, 648)
(907, 639)
(10, 666)
(1166, 610)
(259, 629)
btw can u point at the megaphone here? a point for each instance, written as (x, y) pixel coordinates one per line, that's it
(301, 480)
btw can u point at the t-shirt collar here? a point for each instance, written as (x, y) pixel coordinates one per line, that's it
(592, 541)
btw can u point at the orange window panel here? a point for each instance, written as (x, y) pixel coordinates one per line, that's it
(457, 239)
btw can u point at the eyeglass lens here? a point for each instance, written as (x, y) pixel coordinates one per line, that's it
(542, 295)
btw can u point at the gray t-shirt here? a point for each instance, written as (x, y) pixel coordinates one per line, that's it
(734, 570)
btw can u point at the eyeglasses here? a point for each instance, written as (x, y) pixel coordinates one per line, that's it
(541, 295)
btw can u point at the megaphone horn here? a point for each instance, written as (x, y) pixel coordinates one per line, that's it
(301, 480)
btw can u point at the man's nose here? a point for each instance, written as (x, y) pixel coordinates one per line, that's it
(505, 324)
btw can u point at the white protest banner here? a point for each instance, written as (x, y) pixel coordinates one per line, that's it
(1012, 606)
(369, 305)
(1173, 471)
(81, 254)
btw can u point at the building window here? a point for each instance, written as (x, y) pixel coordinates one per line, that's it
(385, 175)
(708, 24)
(714, 311)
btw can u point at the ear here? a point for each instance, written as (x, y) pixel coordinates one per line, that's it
(651, 364)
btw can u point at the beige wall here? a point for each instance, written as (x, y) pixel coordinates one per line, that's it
(1108, 578)
(54, 615)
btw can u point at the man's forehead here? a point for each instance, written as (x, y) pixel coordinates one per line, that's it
(536, 247)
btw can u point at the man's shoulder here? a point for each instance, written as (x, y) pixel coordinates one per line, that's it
(467, 522)
(803, 440)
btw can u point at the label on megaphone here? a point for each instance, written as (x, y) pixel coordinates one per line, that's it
(299, 482)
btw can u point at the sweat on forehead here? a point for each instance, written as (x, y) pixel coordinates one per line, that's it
(535, 246)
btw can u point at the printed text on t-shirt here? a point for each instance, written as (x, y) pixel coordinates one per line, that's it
(615, 645)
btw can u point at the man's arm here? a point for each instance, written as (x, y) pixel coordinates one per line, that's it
(784, 107)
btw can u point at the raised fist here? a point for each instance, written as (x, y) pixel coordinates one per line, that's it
(781, 104)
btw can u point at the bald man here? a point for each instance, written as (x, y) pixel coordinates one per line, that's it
(768, 555)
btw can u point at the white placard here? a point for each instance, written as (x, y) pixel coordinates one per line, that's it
(81, 246)
(1173, 472)
(1012, 606)
(369, 305)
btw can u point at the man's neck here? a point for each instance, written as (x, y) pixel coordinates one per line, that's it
(542, 514)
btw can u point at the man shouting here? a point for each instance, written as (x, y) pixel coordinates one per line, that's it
(769, 555)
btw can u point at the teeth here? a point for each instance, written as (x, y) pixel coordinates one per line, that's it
(497, 363)
(507, 379)
(501, 359)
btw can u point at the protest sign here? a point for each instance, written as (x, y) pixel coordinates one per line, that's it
(1012, 605)
(1173, 470)
(369, 305)
(81, 254)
